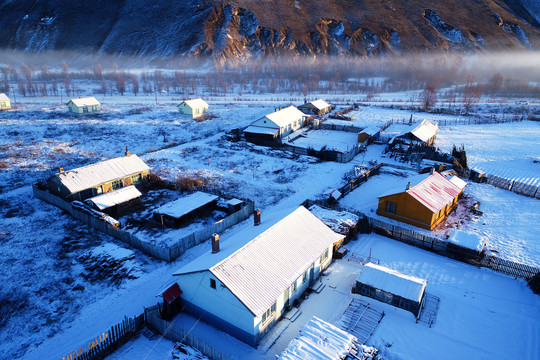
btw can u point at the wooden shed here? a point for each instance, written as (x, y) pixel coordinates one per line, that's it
(87, 105)
(368, 135)
(99, 178)
(4, 102)
(178, 212)
(391, 287)
(424, 202)
(194, 107)
(317, 107)
(424, 133)
(117, 202)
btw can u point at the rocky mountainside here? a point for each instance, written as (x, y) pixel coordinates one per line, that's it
(247, 28)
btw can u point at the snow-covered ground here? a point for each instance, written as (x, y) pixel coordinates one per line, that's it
(49, 305)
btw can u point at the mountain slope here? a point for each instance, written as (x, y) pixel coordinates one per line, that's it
(245, 28)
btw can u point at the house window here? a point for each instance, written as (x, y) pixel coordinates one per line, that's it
(85, 109)
(136, 178)
(324, 256)
(99, 190)
(213, 283)
(268, 313)
(304, 277)
(117, 184)
(390, 207)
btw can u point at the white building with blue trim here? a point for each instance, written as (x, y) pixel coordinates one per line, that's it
(259, 271)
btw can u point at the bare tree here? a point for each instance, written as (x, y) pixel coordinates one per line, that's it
(121, 84)
(428, 98)
(134, 83)
(471, 95)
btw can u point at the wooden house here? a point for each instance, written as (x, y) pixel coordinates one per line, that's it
(4, 102)
(424, 133)
(276, 125)
(244, 287)
(178, 212)
(391, 287)
(317, 107)
(117, 202)
(87, 105)
(424, 202)
(100, 178)
(194, 107)
(368, 135)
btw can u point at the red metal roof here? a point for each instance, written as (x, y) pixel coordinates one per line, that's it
(435, 192)
(172, 293)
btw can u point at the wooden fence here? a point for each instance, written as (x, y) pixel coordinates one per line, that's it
(359, 180)
(171, 331)
(337, 127)
(107, 342)
(168, 254)
(472, 120)
(516, 186)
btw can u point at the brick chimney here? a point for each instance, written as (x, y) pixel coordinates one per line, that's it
(257, 217)
(215, 243)
(127, 151)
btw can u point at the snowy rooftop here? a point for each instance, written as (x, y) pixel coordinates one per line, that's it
(3, 97)
(392, 281)
(186, 204)
(285, 116)
(116, 197)
(434, 191)
(319, 340)
(319, 104)
(195, 103)
(272, 258)
(425, 130)
(92, 175)
(254, 129)
(87, 101)
(458, 182)
(372, 130)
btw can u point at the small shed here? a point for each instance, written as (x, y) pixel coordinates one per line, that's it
(465, 246)
(317, 107)
(234, 205)
(176, 213)
(424, 133)
(194, 107)
(4, 102)
(391, 287)
(118, 201)
(87, 105)
(369, 134)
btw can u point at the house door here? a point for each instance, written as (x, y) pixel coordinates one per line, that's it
(286, 297)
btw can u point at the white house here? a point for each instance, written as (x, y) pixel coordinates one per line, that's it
(194, 107)
(4, 102)
(275, 125)
(87, 105)
(245, 287)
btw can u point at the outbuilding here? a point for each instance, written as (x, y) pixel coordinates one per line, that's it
(117, 202)
(245, 285)
(194, 107)
(391, 287)
(424, 133)
(424, 202)
(276, 125)
(87, 105)
(99, 178)
(176, 213)
(317, 107)
(4, 102)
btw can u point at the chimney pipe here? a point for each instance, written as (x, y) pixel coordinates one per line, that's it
(432, 170)
(215, 243)
(61, 169)
(408, 186)
(257, 217)
(127, 151)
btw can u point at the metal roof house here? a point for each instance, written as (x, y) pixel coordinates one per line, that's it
(424, 202)
(391, 287)
(87, 105)
(276, 125)
(99, 178)
(194, 107)
(317, 107)
(4, 102)
(245, 286)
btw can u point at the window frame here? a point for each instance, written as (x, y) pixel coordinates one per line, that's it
(390, 207)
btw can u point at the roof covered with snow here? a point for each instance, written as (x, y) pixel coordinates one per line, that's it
(319, 340)
(87, 101)
(458, 182)
(319, 104)
(186, 204)
(425, 130)
(116, 197)
(392, 281)
(434, 191)
(372, 130)
(3, 97)
(95, 174)
(254, 129)
(195, 103)
(272, 260)
(285, 116)
(467, 240)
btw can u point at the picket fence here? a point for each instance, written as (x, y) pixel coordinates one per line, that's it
(107, 342)
(514, 185)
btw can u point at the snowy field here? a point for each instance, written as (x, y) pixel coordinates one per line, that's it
(51, 303)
